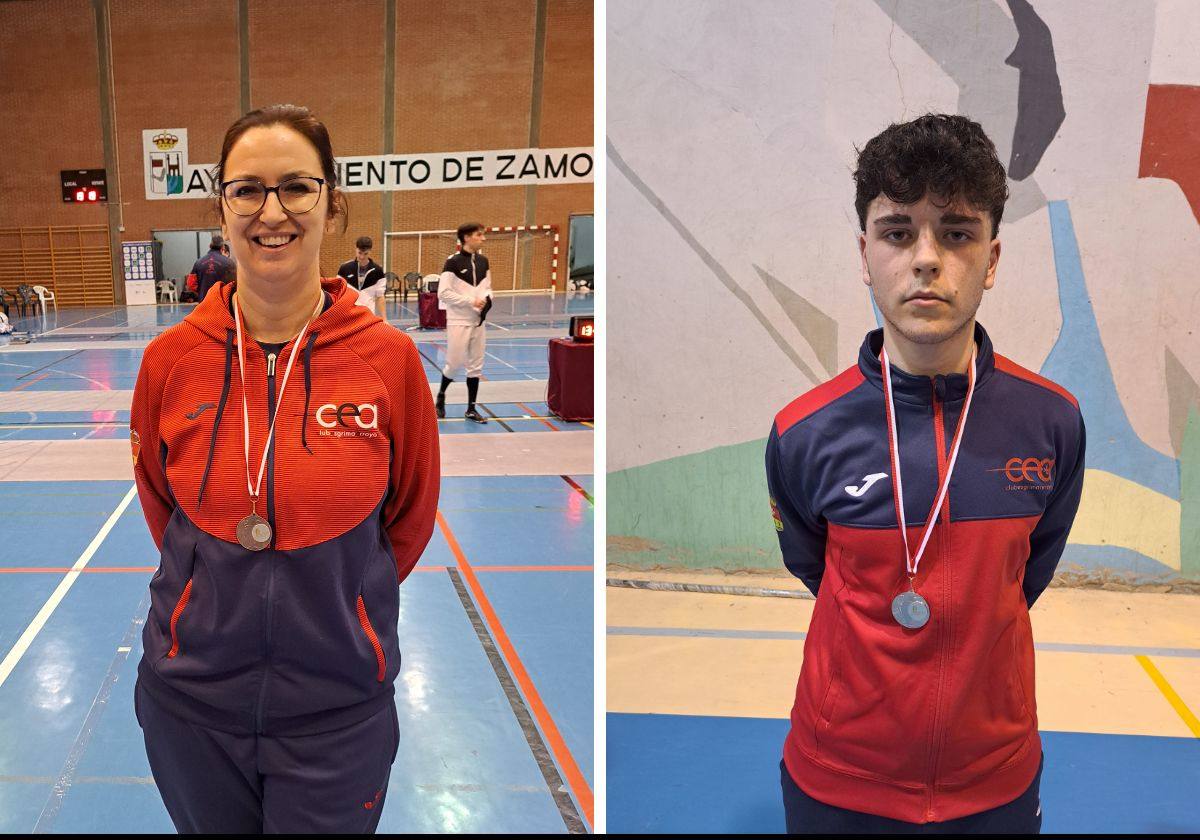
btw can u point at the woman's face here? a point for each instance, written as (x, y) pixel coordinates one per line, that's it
(273, 245)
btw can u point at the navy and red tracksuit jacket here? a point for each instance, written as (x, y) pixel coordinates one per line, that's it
(940, 722)
(301, 637)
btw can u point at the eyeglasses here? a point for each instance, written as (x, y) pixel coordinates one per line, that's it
(245, 196)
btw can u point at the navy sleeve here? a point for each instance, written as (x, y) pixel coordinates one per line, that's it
(801, 536)
(1049, 538)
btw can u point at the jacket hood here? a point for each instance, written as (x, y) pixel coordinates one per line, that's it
(214, 318)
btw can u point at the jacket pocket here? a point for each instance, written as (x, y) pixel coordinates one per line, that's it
(373, 639)
(180, 606)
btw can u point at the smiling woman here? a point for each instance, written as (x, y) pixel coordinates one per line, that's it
(271, 646)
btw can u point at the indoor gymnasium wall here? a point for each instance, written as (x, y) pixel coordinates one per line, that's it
(49, 110)
(466, 78)
(736, 286)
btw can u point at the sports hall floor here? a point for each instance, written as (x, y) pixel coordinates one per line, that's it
(697, 748)
(495, 696)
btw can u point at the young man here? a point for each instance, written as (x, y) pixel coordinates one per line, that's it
(367, 276)
(915, 703)
(466, 291)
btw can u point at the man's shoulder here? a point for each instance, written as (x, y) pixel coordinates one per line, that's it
(810, 403)
(1056, 394)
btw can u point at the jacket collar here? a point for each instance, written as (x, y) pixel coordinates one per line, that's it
(920, 390)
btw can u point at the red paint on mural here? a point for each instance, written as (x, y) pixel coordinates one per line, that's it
(1169, 147)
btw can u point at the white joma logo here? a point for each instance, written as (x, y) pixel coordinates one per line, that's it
(866, 485)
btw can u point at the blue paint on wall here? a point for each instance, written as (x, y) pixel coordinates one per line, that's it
(1140, 568)
(1078, 363)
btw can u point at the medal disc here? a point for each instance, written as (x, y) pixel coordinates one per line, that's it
(910, 610)
(254, 533)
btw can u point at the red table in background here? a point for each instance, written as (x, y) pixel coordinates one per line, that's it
(569, 393)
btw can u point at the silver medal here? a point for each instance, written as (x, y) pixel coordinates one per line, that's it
(254, 533)
(910, 610)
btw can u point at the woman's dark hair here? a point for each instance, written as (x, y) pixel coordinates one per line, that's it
(301, 120)
(364, 243)
(466, 229)
(943, 155)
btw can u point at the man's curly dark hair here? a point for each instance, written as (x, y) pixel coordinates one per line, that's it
(944, 155)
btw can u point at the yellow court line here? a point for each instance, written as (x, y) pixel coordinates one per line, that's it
(1174, 699)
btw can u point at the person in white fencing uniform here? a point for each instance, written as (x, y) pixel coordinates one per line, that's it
(465, 292)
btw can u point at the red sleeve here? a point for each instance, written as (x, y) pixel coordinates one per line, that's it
(153, 492)
(410, 511)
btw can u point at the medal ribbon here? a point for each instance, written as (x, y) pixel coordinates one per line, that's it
(911, 561)
(237, 320)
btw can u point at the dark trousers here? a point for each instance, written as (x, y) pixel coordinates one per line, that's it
(216, 782)
(806, 815)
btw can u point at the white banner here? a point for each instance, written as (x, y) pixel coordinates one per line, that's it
(169, 175)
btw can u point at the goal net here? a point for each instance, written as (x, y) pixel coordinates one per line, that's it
(521, 258)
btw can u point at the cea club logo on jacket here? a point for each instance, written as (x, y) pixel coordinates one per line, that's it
(1028, 473)
(348, 420)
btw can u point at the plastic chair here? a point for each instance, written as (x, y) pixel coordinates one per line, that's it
(412, 283)
(26, 298)
(166, 288)
(393, 284)
(44, 295)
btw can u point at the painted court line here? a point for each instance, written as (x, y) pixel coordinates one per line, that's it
(60, 592)
(66, 778)
(533, 416)
(575, 485)
(551, 778)
(30, 382)
(1174, 699)
(797, 636)
(575, 778)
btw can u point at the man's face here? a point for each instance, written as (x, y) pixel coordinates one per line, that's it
(474, 241)
(363, 256)
(928, 264)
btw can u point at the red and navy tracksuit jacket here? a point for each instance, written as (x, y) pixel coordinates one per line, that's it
(937, 723)
(301, 637)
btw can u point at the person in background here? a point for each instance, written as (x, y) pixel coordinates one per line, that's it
(367, 276)
(466, 291)
(214, 267)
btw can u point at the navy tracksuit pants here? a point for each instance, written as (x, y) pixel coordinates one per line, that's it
(806, 815)
(215, 782)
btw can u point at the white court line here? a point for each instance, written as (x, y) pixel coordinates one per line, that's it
(39, 620)
(506, 364)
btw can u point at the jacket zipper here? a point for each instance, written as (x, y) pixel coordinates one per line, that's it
(270, 604)
(380, 661)
(175, 614)
(939, 437)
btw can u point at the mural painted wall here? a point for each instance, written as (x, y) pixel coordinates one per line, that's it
(735, 272)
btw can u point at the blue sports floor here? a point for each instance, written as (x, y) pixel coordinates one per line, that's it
(696, 748)
(495, 695)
